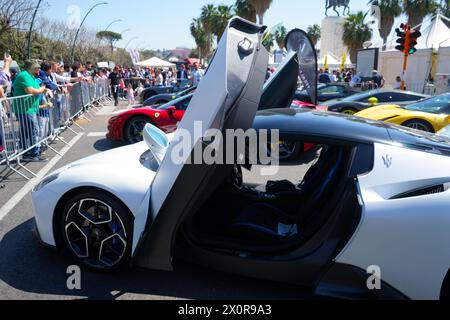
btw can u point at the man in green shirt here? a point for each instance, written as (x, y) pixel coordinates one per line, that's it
(26, 109)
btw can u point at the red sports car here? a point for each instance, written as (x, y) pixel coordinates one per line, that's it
(129, 125)
(297, 104)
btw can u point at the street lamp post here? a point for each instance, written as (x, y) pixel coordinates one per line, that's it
(31, 29)
(126, 30)
(115, 21)
(79, 28)
(129, 42)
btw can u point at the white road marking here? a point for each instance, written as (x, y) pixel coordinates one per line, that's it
(96, 134)
(4, 211)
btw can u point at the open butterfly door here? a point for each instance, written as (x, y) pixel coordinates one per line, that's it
(299, 67)
(226, 98)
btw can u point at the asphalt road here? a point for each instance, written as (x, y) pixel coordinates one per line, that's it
(30, 271)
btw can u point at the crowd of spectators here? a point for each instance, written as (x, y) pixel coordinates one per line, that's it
(132, 81)
(351, 77)
(33, 92)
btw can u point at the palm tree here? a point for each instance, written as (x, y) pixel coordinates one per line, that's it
(268, 41)
(261, 7)
(245, 9)
(199, 35)
(356, 32)
(417, 10)
(314, 33)
(280, 36)
(389, 10)
(207, 17)
(223, 15)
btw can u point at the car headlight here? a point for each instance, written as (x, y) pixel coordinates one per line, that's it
(46, 181)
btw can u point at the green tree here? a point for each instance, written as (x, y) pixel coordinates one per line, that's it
(110, 36)
(268, 41)
(389, 10)
(261, 7)
(199, 35)
(223, 14)
(417, 10)
(356, 32)
(207, 18)
(245, 9)
(280, 36)
(314, 33)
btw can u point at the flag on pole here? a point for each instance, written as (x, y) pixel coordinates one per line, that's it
(134, 55)
(344, 61)
(325, 65)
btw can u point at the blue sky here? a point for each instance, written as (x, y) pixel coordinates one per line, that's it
(165, 24)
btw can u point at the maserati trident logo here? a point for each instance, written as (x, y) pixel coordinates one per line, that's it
(387, 160)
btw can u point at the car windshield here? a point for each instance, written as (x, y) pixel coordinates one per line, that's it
(435, 105)
(173, 103)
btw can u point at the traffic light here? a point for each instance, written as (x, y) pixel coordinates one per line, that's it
(407, 39)
(401, 38)
(413, 36)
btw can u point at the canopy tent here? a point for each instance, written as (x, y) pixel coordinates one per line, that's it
(155, 63)
(174, 59)
(332, 62)
(436, 35)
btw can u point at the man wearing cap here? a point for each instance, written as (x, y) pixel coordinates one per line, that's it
(26, 109)
(378, 79)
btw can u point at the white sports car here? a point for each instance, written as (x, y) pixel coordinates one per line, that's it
(373, 198)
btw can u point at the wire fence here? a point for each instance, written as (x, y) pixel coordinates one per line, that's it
(32, 123)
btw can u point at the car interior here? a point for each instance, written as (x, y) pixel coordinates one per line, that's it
(276, 215)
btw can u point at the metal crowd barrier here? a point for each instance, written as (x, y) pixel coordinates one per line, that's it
(29, 123)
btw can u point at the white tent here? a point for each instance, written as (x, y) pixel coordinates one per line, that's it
(155, 63)
(436, 35)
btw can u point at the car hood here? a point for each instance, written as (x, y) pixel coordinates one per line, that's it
(120, 157)
(387, 112)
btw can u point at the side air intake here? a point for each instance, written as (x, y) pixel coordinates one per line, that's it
(423, 192)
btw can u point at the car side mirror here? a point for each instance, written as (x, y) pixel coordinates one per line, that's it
(157, 141)
(171, 109)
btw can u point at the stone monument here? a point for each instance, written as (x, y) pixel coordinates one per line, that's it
(332, 30)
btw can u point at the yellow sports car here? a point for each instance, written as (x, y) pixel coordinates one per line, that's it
(430, 114)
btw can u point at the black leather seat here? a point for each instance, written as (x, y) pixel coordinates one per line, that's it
(283, 217)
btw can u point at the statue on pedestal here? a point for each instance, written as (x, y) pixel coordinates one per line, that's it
(335, 4)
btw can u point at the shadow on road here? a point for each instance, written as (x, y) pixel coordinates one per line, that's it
(27, 266)
(105, 145)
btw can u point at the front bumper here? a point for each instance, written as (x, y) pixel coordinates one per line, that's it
(35, 232)
(115, 130)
